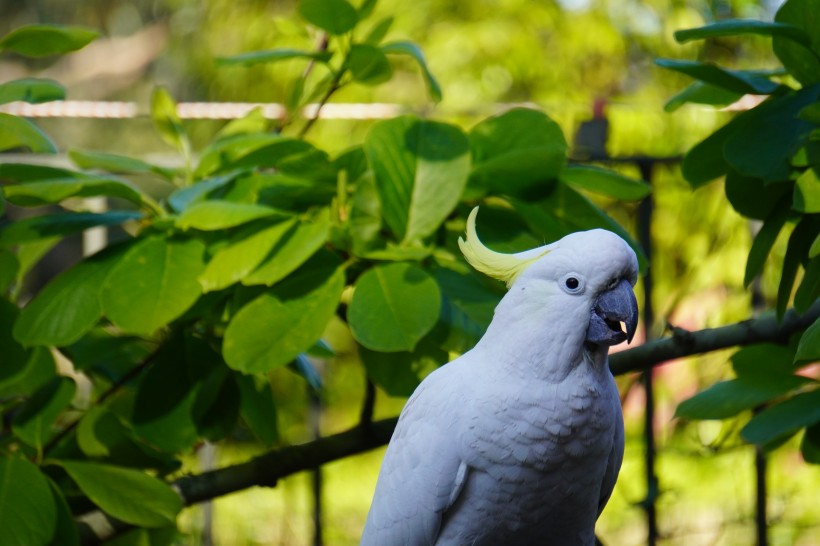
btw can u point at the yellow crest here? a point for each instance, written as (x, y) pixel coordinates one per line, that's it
(504, 267)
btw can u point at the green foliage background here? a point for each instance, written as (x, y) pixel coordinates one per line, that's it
(233, 259)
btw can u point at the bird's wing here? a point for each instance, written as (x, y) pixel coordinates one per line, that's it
(616, 457)
(422, 473)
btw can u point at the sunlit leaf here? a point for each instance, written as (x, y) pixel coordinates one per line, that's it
(27, 510)
(214, 215)
(153, 283)
(393, 307)
(128, 495)
(17, 132)
(116, 163)
(32, 90)
(807, 192)
(274, 55)
(274, 328)
(52, 191)
(412, 50)
(421, 169)
(605, 182)
(42, 40)
(334, 16)
(166, 120)
(368, 64)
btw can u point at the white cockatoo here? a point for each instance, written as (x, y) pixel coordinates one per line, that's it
(518, 441)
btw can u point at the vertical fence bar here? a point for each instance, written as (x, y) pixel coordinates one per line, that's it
(645, 211)
(761, 492)
(316, 473)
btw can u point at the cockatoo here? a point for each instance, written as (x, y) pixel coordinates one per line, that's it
(518, 441)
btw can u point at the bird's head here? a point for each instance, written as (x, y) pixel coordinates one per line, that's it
(585, 276)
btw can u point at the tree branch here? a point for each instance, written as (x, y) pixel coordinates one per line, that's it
(269, 468)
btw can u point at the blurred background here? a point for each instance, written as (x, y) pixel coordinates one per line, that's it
(586, 63)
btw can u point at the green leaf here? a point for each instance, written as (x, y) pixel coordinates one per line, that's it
(39, 368)
(751, 197)
(274, 328)
(807, 192)
(377, 34)
(69, 305)
(252, 122)
(814, 251)
(766, 138)
(258, 408)
(116, 163)
(128, 495)
(335, 16)
(743, 27)
(42, 40)
(299, 243)
(153, 283)
(27, 510)
(796, 252)
(15, 356)
(65, 529)
(735, 81)
(765, 239)
(728, 398)
(167, 122)
(810, 445)
(801, 60)
(24, 172)
(467, 308)
(274, 55)
(518, 153)
(16, 132)
(368, 64)
(763, 362)
(421, 169)
(783, 419)
(214, 215)
(31, 90)
(393, 307)
(366, 8)
(182, 198)
(412, 50)
(705, 162)
(42, 227)
(605, 182)
(809, 289)
(216, 405)
(243, 254)
(34, 422)
(701, 93)
(9, 266)
(52, 191)
(258, 150)
(399, 373)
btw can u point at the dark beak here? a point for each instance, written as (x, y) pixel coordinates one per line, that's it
(613, 307)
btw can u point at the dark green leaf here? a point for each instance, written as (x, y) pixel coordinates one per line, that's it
(243, 254)
(69, 305)
(783, 419)
(743, 27)
(116, 163)
(814, 251)
(128, 495)
(765, 238)
(807, 192)
(735, 81)
(399, 373)
(412, 50)
(810, 445)
(9, 266)
(42, 40)
(520, 153)
(42, 227)
(216, 405)
(701, 93)
(299, 243)
(39, 369)
(16, 132)
(27, 510)
(763, 361)
(167, 122)
(32, 90)
(258, 150)
(751, 197)
(153, 283)
(796, 252)
(274, 55)
(65, 531)
(258, 408)
(24, 172)
(214, 215)
(368, 64)
(809, 289)
(767, 137)
(397, 253)
(52, 191)
(393, 307)
(33, 424)
(15, 356)
(421, 169)
(705, 162)
(467, 309)
(728, 398)
(334, 16)
(286, 320)
(801, 60)
(605, 182)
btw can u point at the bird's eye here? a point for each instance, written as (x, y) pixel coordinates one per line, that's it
(572, 283)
